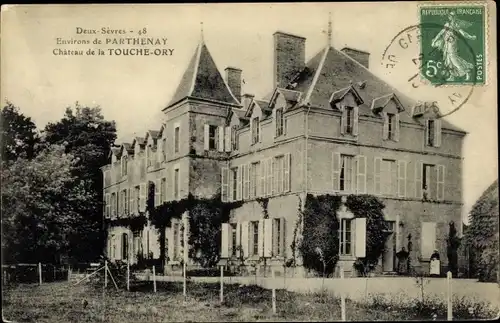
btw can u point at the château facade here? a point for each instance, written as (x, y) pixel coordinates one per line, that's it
(329, 126)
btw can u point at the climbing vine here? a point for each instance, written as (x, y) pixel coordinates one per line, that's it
(264, 202)
(292, 262)
(205, 218)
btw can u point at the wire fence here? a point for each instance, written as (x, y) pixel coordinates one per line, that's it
(33, 273)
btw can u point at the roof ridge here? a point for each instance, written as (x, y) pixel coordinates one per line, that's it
(316, 75)
(196, 66)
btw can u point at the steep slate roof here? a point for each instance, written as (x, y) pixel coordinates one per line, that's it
(331, 70)
(202, 80)
(128, 147)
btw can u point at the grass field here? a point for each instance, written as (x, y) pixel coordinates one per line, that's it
(61, 302)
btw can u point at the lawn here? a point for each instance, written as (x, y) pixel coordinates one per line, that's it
(61, 302)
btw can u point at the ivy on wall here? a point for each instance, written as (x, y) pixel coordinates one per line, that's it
(319, 245)
(205, 218)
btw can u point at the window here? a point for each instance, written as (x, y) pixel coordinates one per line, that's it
(113, 204)
(233, 239)
(255, 237)
(430, 132)
(137, 198)
(253, 179)
(176, 183)
(389, 177)
(234, 183)
(278, 173)
(175, 229)
(279, 122)
(163, 189)
(176, 139)
(234, 138)
(255, 130)
(391, 126)
(124, 202)
(212, 137)
(349, 111)
(428, 180)
(137, 246)
(345, 237)
(347, 173)
(149, 157)
(124, 246)
(124, 165)
(164, 148)
(277, 237)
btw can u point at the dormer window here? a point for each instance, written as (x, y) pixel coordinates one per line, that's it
(149, 156)
(124, 166)
(279, 122)
(212, 137)
(391, 126)
(349, 121)
(433, 133)
(255, 130)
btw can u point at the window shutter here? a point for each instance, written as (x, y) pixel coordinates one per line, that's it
(143, 194)
(401, 178)
(220, 135)
(361, 174)
(227, 139)
(108, 206)
(170, 235)
(157, 192)
(440, 182)
(418, 179)
(393, 172)
(269, 176)
(343, 120)
(245, 238)
(377, 176)
(263, 177)
(437, 133)
(428, 239)
(397, 127)
(224, 184)
(282, 237)
(257, 180)
(355, 125)
(286, 173)
(238, 239)
(268, 238)
(360, 236)
(385, 130)
(335, 171)
(206, 137)
(260, 237)
(276, 170)
(245, 181)
(239, 184)
(225, 240)
(426, 132)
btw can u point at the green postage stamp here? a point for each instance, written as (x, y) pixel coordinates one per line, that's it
(452, 44)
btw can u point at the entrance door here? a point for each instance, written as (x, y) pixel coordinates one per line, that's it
(389, 255)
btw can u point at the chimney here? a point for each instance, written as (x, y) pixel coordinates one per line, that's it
(246, 99)
(358, 55)
(289, 57)
(233, 79)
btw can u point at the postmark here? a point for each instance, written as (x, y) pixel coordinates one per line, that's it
(404, 60)
(459, 40)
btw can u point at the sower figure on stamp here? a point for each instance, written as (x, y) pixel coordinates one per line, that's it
(446, 41)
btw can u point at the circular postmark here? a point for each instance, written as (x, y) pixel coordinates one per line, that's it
(424, 69)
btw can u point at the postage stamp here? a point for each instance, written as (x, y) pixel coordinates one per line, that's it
(453, 50)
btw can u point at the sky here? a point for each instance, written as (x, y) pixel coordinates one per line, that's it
(132, 90)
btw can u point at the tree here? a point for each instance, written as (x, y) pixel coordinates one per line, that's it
(88, 136)
(38, 199)
(453, 243)
(19, 134)
(482, 234)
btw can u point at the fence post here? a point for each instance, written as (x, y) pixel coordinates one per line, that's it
(221, 284)
(342, 296)
(40, 272)
(105, 273)
(154, 279)
(274, 291)
(449, 296)
(128, 276)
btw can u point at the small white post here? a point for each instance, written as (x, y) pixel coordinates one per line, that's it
(105, 273)
(342, 296)
(154, 279)
(221, 284)
(184, 284)
(449, 296)
(274, 292)
(40, 272)
(128, 276)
